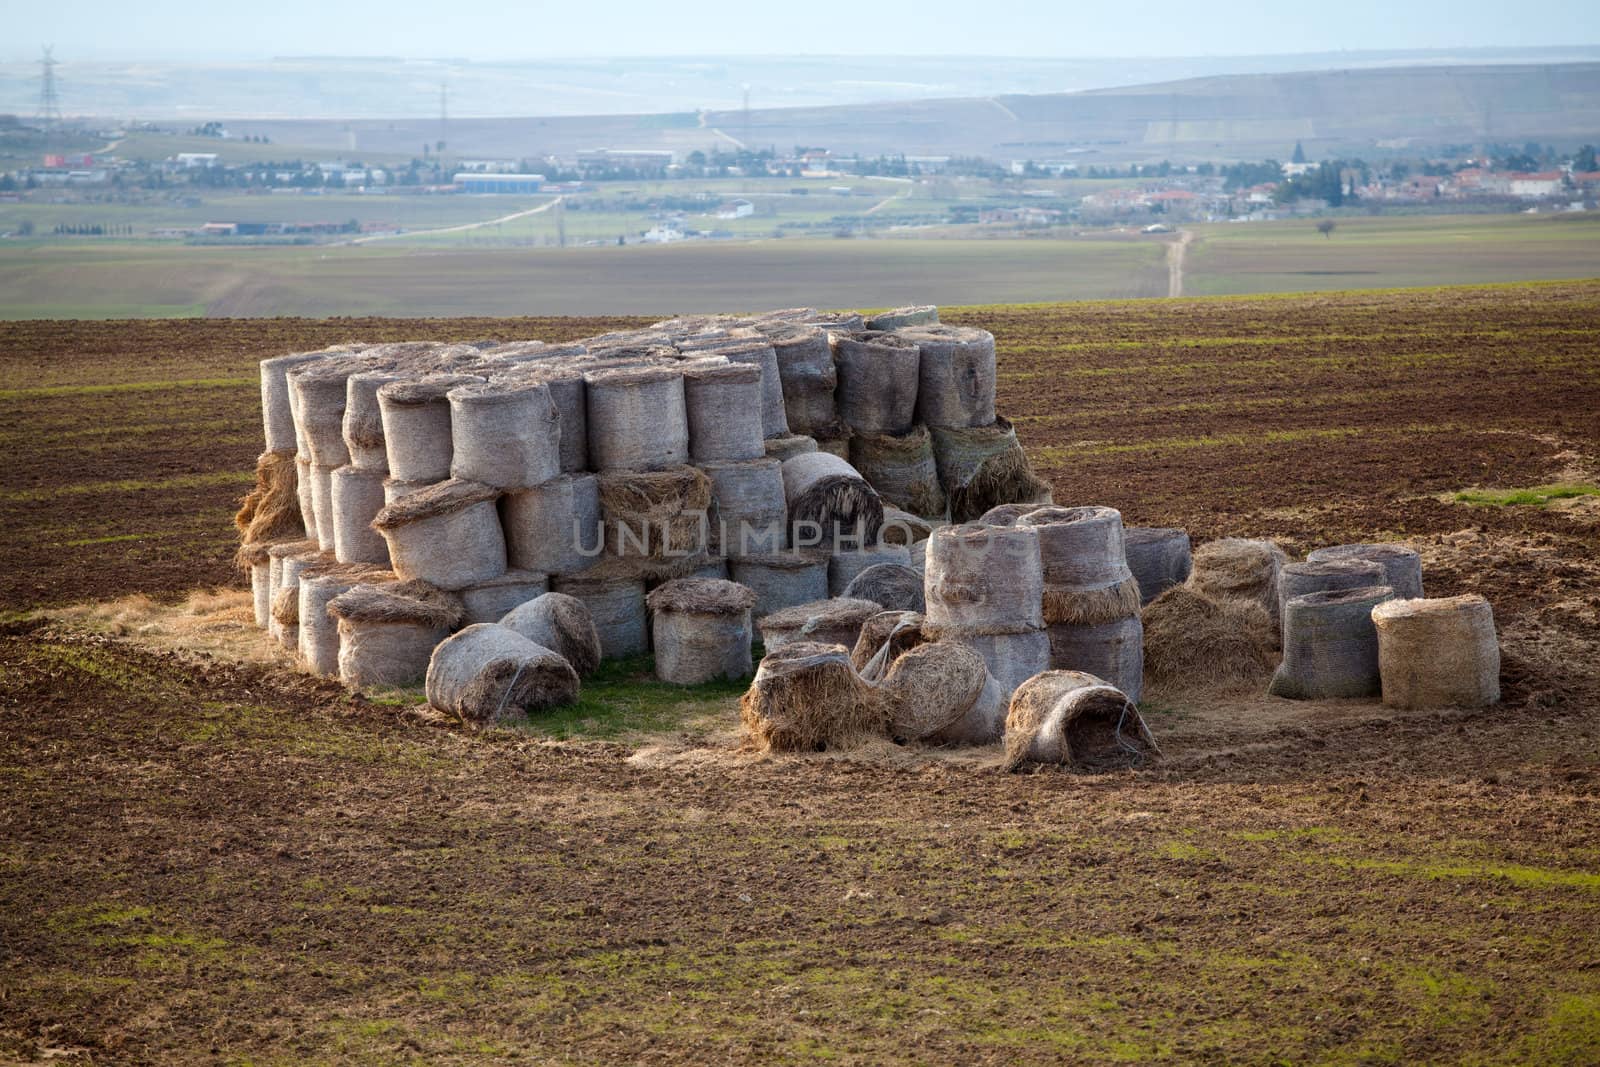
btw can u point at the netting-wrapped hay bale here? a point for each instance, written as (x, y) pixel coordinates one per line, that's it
(845, 563)
(1402, 566)
(1007, 514)
(277, 415)
(758, 351)
(562, 372)
(1112, 650)
(957, 375)
(985, 580)
(1330, 645)
(1158, 556)
(318, 640)
(835, 621)
(828, 499)
(416, 426)
(723, 401)
(897, 586)
(357, 497)
(919, 558)
(319, 390)
(981, 467)
(660, 514)
(1322, 576)
(750, 512)
(637, 419)
(490, 674)
(1197, 642)
(1085, 568)
(1012, 658)
(838, 321)
(490, 601)
(394, 489)
(878, 375)
(616, 604)
(1242, 569)
(254, 558)
(903, 528)
(807, 376)
(322, 505)
(901, 469)
(781, 579)
(788, 446)
(290, 560)
(899, 318)
(388, 632)
(270, 512)
(447, 535)
(1436, 653)
(562, 624)
(700, 630)
(807, 698)
(504, 433)
(363, 418)
(929, 689)
(1070, 717)
(711, 567)
(554, 528)
(883, 638)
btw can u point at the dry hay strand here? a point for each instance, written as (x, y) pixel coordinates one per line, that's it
(655, 514)
(562, 624)
(835, 621)
(982, 467)
(929, 689)
(1241, 569)
(1090, 607)
(701, 596)
(807, 698)
(1197, 642)
(414, 602)
(884, 638)
(286, 607)
(1073, 718)
(1440, 652)
(901, 469)
(897, 586)
(437, 500)
(271, 510)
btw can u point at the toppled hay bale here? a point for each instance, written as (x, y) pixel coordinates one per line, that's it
(1330, 645)
(1240, 569)
(807, 698)
(1160, 557)
(831, 499)
(447, 534)
(1402, 566)
(490, 674)
(1074, 718)
(901, 469)
(657, 514)
(835, 622)
(562, 624)
(1438, 653)
(897, 586)
(884, 637)
(942, 693)
(700, 630)
(271, 510)
(981, 467)
(1194, 641)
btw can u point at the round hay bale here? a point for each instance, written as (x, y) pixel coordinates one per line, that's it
(490, 674)
(788, 446)
(750, 511)
(394, 489)
(318, 640)
(1006, 514)
(388, 632)
(1241, 569)
(835, 445)
(562, 373)
(1330, 646)
(956, 386)
(656, 515)
(883, 638)
(807, 376)
(447, 535)
(929, 689)
(490, 601)
(845, 565)
(416, 426)
(836, 621)
(1197, 642)
(837, 321)
(1012, 658)
(807, 698)
(363, 418)
(723, 401)
(637, 419)
(919, 560)
(982, 467)
(897, 586)
(1085, 568)
(756, 350)
(1438, 653)
(322, 505)
(504, 433)
(261, 591)
(781, 579)
(554, 528)
(1321, 576)
(899, 318)
(903, 528)
(271, 510)
(319, 390)
(562, 624)
(1111, 650)
(277, 416)
(282, 583)
(616, 604)
(357, 497)
(1159, 558)
(1402, 566)
(985, 580)
(878, 375)
(828, 500)
(700, 630)
(901, 469)
(1070, 717)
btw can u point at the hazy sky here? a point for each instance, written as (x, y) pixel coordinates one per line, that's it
(497, 29)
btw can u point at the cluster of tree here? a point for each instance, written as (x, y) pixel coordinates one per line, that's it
(75, 229)
(1238, 176)
(1326, 182)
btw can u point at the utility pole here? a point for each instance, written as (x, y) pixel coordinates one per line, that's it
(49, 116)
(561, 222)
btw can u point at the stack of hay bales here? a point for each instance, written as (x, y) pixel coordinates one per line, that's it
(985, 589)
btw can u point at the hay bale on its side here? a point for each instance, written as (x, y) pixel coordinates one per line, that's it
(1323, 576)
(957, 380)
(616, 604)
(504, 433)
(1193, 641)
(1240, 569)
(554, 528)
(490, 601)
(985, 580)
(878, 376)
(904, 528)
(981, 467)
(807, 698)
(901, 469)
(1438, 653)
(899, 318)
(897, 586)
(750, 509)
(1111, 650)
(723, 401)
(447, 535)
(562, 624)
(835, 622)
(1011, 658)
(490, 674)
(1402, 566)
(929, 689)
(884, 637)
(637, 419)
(845, 564)
(700, 630)
(387, 633)
(828, 500)
(1159, 557)
(781, 579)
(1330, 645)
(357, 497)
(1070, 717)
(271, 510)
(656, 515)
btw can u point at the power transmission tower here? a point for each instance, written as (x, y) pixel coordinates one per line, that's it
(49, 116)
(444, 116)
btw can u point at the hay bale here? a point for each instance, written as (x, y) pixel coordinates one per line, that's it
(981, 467)
(1437, 653)
(835, 445)
(1194, 641)
(828, 500)
(1084, 565)
(901, 469)
(357, 497)
(929, 689)
(897, 586)
(700, 630)
(562, 624)
(1159, 557)
(884, 637)
(957, 375)
(878, 374)
(305, 497)
(261, 587)
(781, 579)
(388, 632)
(807, 698)
(723, 401)
(416, 426)
(276, 554)
(319, 391)
(985, 580)
(363, 418)
(318, 639)
(658, 515)
(490, 601)
(554, 528)
(637, 419)
(271, 510)
(919, 559)
(1073, 718)
(846, 563)
(1007, 514)
(616, 604)
(899, 318)
(1322, 576)
(1012, 658)
(1240, 569)
(757, 351)
(490, 674)
(322, 505)
(277, 415)
(504, 433)
(837, 321)
(395, 489)
(1113, 650)
(447, 535)
(563, 375)
(903, 528)
(807, 376)
(1402, 566)
(788, 446)
(835, 621)
(1330, 645)
(749, 510)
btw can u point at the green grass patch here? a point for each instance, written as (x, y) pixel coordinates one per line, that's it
(623, 697)
(1538, 496)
